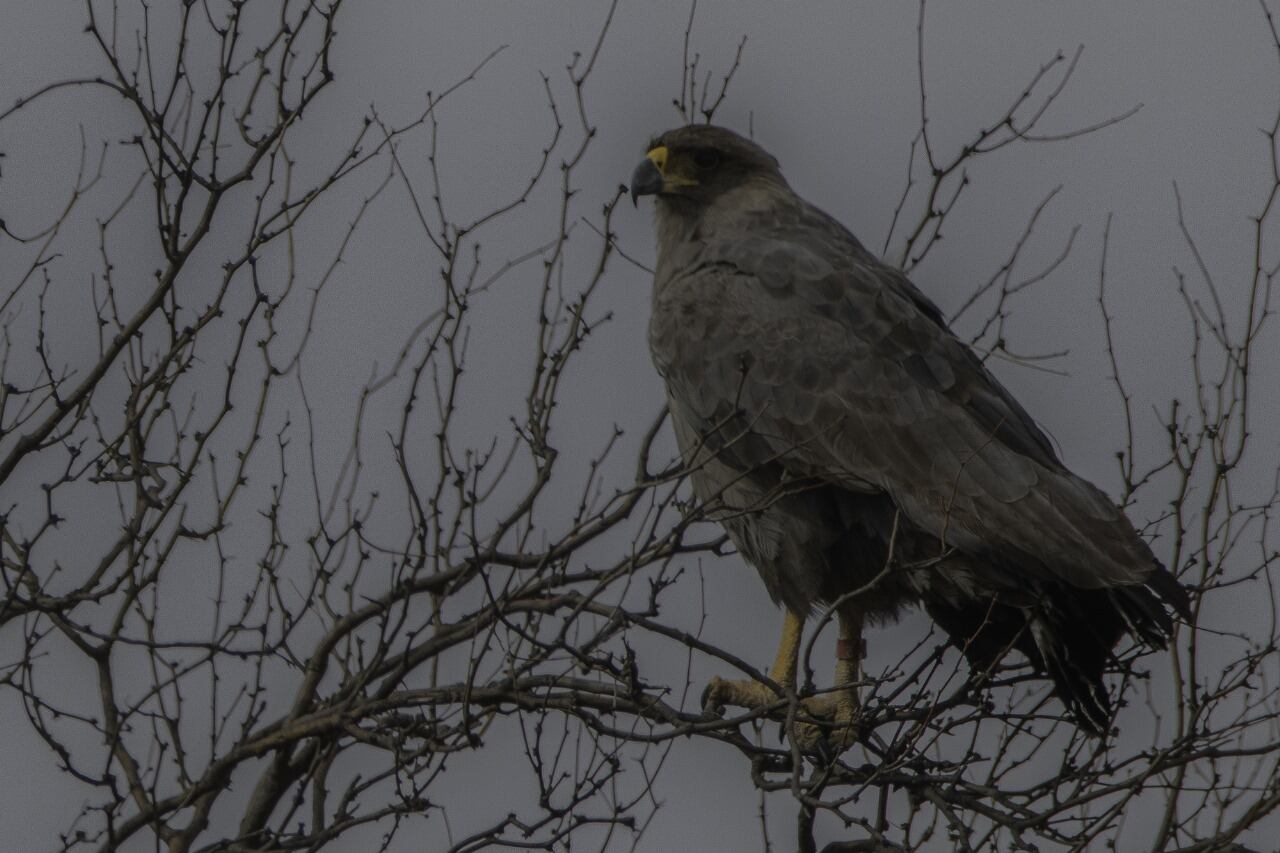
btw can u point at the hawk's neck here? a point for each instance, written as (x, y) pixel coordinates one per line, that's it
(733, 213)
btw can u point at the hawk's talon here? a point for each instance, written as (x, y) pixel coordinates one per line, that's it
(833, 730)
(712, 703)
(825, 753)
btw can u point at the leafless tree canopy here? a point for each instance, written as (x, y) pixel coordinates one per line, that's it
(233, 631)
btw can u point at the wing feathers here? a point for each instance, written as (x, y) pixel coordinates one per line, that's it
(844, 376)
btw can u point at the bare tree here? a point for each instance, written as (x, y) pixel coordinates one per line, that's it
(280, 641)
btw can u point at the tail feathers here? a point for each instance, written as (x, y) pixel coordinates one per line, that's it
(1172, 593)
(1144, 616)
(1069, 634)
(1143, 607)
(1077, 683)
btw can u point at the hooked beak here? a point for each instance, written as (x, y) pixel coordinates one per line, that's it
(648, 178)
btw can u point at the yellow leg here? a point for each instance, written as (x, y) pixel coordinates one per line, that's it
(850, 649)
(744, 693)
(784, 665)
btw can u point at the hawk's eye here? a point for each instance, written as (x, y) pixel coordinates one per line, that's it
(706, 159)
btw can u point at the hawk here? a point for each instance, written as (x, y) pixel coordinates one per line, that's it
(860, 456)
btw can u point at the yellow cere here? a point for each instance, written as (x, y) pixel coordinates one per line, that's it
(659, 158)
(670, 180)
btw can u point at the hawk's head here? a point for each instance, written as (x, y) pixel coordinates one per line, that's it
(693, 165)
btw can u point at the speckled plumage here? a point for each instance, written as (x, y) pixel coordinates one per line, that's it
(822, 401)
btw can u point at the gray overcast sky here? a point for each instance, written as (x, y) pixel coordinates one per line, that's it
(831, 89)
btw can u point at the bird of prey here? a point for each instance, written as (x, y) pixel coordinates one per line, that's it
(860, 456)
